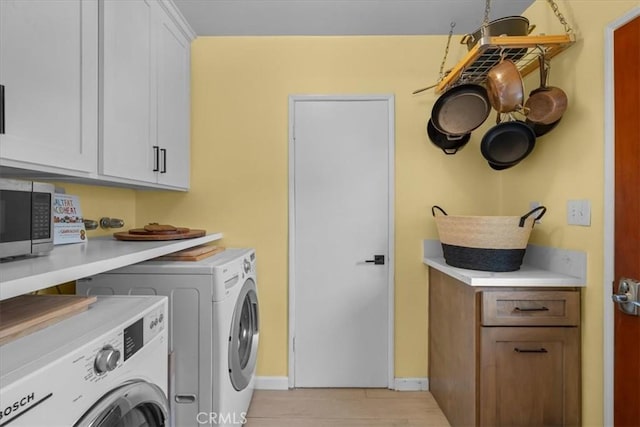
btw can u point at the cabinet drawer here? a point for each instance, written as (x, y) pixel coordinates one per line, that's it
(530, 308)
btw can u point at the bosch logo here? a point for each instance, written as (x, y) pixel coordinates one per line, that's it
(17, 405)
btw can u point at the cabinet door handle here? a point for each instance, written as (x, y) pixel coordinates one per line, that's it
(543, 308)
(163, 152)
(530, 350)
(1, 109)
(156, 158)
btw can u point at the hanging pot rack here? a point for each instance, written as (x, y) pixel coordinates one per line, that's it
(490, 50)
(487, 53)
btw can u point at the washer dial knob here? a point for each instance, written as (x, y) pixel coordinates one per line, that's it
(106, 360)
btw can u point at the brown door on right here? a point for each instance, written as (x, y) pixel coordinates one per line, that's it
(627, 222)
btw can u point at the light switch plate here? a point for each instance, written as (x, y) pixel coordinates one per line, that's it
(579, 212)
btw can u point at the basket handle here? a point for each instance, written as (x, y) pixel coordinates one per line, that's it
(433, 210)
(524, 217)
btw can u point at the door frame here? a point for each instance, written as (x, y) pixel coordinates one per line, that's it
(609, 210)
(293, 99)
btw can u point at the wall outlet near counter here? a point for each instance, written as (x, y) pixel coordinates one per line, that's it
(579, 212)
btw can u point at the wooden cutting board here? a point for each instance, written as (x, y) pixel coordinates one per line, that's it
(138, 235)
(192, 254)
(26, 314)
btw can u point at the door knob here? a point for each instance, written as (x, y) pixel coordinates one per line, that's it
(377, 260)
(627, 296)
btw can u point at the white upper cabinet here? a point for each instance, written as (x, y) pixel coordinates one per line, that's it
(49, 70)
(127, 86)
(145, 92)
(173, 95)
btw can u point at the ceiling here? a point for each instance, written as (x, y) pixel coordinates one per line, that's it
(340, 17)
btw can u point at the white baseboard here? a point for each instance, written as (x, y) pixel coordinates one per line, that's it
(271, 383)
(400, 384)
(411, 384)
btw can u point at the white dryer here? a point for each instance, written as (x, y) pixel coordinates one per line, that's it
(213, 312)
(106, 366)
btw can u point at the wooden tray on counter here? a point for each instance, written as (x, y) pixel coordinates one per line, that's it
(142, 235)
(192, 254)
(25, 314)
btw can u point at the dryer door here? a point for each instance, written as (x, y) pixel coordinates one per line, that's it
(243, 337)
(133, 404)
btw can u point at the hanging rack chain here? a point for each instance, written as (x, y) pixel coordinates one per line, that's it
(556, 11)
(487, 8)
(446, 50)
(484, 29)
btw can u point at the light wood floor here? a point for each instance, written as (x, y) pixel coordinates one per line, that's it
(344, 408)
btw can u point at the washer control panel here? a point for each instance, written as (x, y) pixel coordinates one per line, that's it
(249, 263)
(114, 350)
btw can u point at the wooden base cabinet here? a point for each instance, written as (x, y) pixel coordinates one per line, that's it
(504, 356)
(528, 376)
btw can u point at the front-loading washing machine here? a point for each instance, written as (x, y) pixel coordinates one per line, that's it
(213, 313)
(106, 366)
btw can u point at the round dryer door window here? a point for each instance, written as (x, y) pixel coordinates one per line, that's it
(243, 339)
(133, 404)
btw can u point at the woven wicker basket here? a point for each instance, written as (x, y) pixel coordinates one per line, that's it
(487, 243)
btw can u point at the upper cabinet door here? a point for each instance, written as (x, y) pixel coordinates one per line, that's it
(49, 70)
(128, 90)
(173, 54)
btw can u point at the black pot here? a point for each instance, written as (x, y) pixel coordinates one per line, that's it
(501, 167)
(447, 143)
(507, 143)
(539, 129)
(461, 109)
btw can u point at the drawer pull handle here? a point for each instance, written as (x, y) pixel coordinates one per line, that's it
(531, 309)
(535, 350)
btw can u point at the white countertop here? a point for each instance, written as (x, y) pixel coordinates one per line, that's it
(542, 266)
(526, 276)
(77, 260)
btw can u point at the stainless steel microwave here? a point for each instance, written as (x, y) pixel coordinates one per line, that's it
(26, 217)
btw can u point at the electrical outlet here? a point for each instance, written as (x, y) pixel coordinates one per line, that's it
(579, 212)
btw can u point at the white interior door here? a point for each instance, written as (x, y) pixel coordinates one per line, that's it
(342, 186)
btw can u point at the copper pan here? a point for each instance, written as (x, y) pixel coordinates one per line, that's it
(546, 104)
(505, 87)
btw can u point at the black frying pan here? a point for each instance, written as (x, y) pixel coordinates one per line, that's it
(447, 143)
(507, 143)
(461, 109)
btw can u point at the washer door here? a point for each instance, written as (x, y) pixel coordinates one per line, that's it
(243, 338)
(133, 404)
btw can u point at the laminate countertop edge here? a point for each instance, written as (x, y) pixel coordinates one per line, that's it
(542, 267)
(77, 260)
